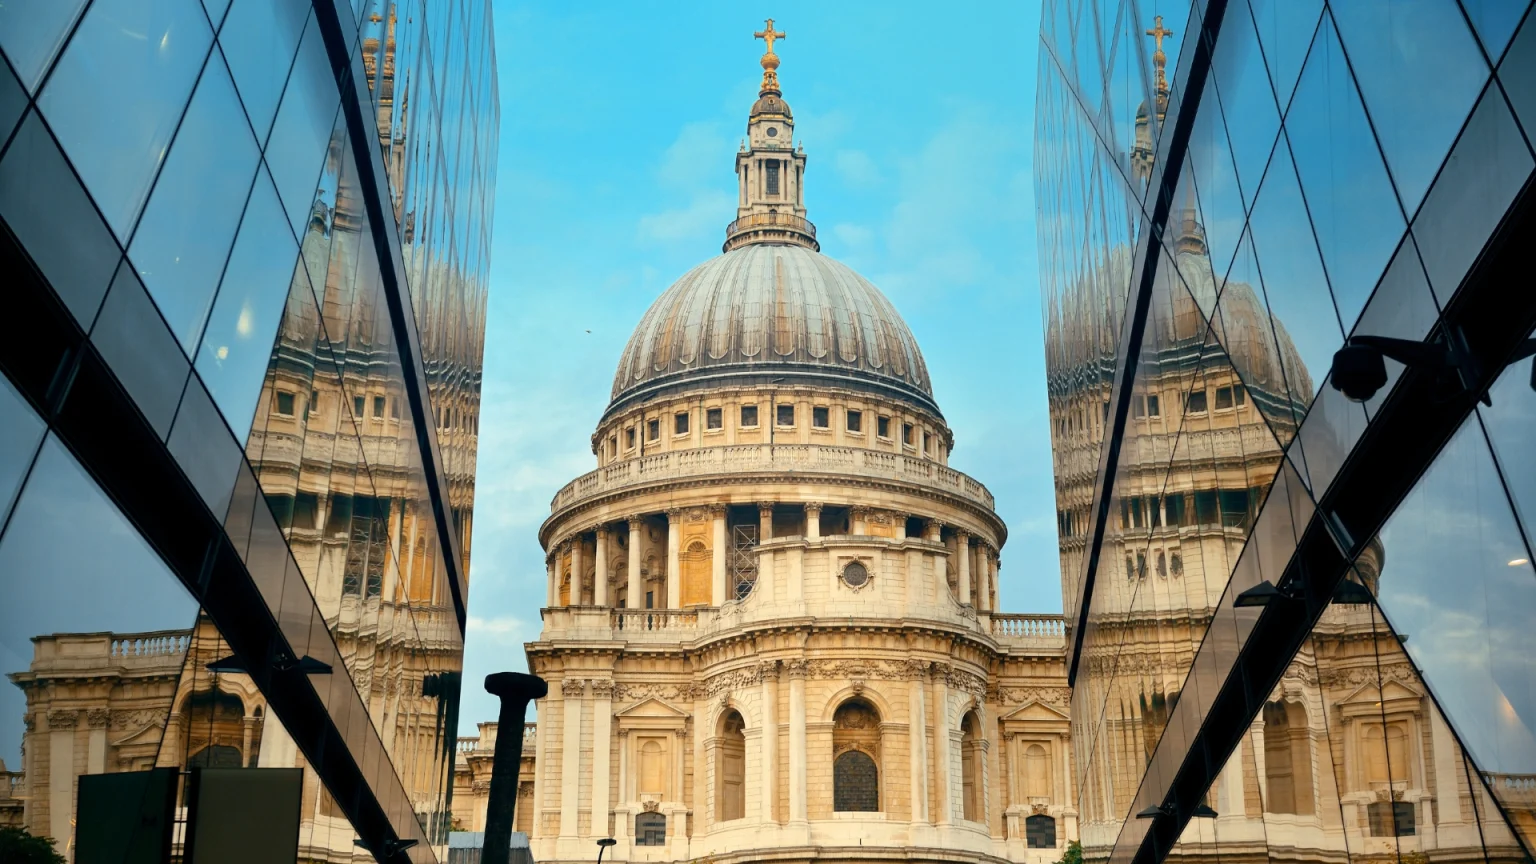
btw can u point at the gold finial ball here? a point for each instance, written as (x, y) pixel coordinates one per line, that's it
(770, 61)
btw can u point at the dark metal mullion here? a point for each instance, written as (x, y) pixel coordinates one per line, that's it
(1172, 148)
(374, 190)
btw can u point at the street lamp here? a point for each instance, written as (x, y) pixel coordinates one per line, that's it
(602, 846)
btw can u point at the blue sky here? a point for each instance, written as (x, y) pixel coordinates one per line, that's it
(619, 126)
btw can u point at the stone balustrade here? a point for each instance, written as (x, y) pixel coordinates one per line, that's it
(779, 459)
(160, 644)
(530, 735)
(1520, 787)
(468, 745)
(633, 621)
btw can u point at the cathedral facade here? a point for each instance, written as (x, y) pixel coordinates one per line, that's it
(772, 625)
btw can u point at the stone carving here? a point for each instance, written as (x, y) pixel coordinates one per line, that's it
(602, 688)
(137, 720)
(767, 669)
(697, 514)
(884, 670)
(29, 721)
(915, 670)
(664, 692)
(62, 718)
(733, 680)
(796, 668)
(651, 805)
(97, 718)
(1058, 696)
(573, 688)
(1359, 676)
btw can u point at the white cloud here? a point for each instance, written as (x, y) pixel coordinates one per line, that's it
(856, 168)
(692, 161)
(705, 216)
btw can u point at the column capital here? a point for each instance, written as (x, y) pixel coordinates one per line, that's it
(635, 522)
(717, 509)
(936, 524)
(813, 507)
(917, 670)
(674, 514)
(602, 532)
(573, 688)
(796, 668)
(940, 672)
(962, 535)
(97, 718)
(602, 688)
(768, 670)
(765, 508)
(62, 718)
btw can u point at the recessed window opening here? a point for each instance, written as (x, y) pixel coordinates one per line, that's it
(1223, 398)
(653, 429)
(906, 434)
(749, 415)
(1154, 407)
(786, 415)
(1195, 403)
(714, 418)
(629, 438)
(357, 407)
(820, 417)
(883, 427)
(855, 421)
(773, 177)
(378, 407)
(284, 403)
(680, 424)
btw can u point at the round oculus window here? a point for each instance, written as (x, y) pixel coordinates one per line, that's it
(773, 132)
(855, 574)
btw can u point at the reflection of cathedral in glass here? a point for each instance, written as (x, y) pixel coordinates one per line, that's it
(1191, 311)
(280, 318)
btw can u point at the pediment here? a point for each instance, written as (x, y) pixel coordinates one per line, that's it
(652, 709)
(1391, 691)
(1036, 711)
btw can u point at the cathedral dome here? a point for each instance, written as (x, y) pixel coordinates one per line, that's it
(763, 312)
(770, 104)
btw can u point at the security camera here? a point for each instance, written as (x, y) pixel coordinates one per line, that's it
(1359, 371)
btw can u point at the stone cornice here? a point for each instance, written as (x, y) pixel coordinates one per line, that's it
(941, 497)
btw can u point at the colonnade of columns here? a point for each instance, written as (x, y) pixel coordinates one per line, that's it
(975, 562)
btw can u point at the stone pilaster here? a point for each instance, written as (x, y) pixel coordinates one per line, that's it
(602, 744)
(796, 670)
(571, 692)
(963, 562)
(770, 762)
(941, 746)
(719, 584)
(674, 563)
(600, 575)
(636, 598)
(917, 677)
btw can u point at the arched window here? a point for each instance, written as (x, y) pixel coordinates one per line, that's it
(1287, 760)
(1040, 831)
(650, 829)
(730, 768)
(653, 775)
(970, 768)
(1037, 772)
(856, 749)
(215, 756)
(1386, 754)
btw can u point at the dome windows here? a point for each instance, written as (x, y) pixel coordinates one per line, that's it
(749, 416)
(680, 423)
(714, 418)
(883, 427)
(653, 430)
(855, 421)
(821, 417)
(786, 415)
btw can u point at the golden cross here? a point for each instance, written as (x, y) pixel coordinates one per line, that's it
(1158, 32)
(768, 35)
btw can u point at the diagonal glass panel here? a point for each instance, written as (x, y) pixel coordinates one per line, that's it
(1349, 197)
(1420, 71)
(1128, 90)
(1286, 28)
(1261, 349)
(1471, 634)
(1247, 99)
(1509, 421)
(1088, 56)
(1494, 21)
(1222, 211)
(1295, 288)
(1401, 308)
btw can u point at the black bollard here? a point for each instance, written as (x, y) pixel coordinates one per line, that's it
(515, 690)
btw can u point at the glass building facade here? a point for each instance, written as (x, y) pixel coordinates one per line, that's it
(243, 251)
(1228, 190)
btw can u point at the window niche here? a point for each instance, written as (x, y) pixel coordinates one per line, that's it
(973, 808)
(856, 757)
(714, 418)
(1287, 759)
(749, 415)
(821, 417)
(680, 423)
(730, 767)
(786, 415)
(855, 421)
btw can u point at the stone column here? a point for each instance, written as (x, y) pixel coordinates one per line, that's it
(859, 516)
(963, 561)
(571, 692)
(248, 727)
(552, 562)
(941, 745)
(984, 579)
(61, 773)
(720, 586)
(770, 739)
(813, 521)
(899, 522)
(96, 744)
(602, 743)
(797, 754)
(674, 568)
(600, 577)
(636, 599)
(764, 521)
(577, 569)
(917, 677)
